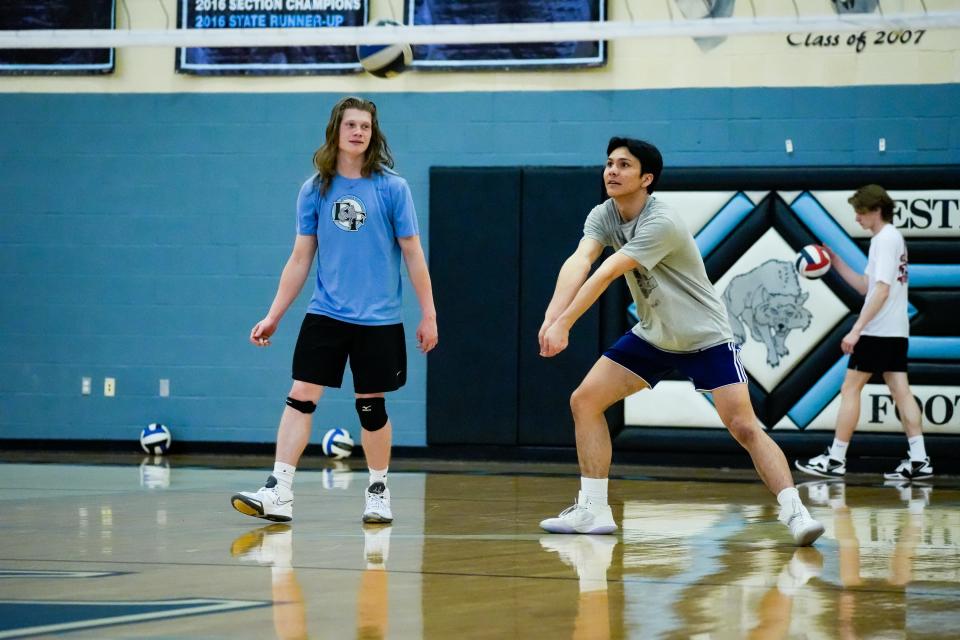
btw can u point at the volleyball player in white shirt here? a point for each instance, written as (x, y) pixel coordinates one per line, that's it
(877, 343)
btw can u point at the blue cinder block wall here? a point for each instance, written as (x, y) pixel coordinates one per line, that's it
(142, 235)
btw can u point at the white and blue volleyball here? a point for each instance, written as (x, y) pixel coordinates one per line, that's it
(337, 443)
(155, 439)
(812, 262)
(385, 60)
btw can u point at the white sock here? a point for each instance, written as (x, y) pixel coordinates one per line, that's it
(917, 449)
(595, 489)
(377, 476)
(283, 472)
(787, 496)
(838, 450)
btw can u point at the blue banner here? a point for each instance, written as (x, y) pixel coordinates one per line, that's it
(269, 14)
(508, 55)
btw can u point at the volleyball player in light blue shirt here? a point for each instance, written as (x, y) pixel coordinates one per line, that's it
(357, 217)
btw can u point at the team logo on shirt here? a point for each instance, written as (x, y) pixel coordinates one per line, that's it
(902, 269)
(646, 282)
(349, 213)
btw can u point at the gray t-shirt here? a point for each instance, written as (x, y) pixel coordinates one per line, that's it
(679, 309)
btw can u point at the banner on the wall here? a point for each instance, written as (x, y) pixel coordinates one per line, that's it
(506, 55)
(56, 14)
(790, 327)
(269, 14)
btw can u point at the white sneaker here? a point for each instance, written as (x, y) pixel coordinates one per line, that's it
(377, 509)
(376, 546)
(823, 465)
(271, 546)
(911, 470)
(804, 529)
(583, 516)
(272, 501)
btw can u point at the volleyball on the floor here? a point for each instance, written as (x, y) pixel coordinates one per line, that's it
(385, 60)
(337, 443)
(812, 262)
(155, 438)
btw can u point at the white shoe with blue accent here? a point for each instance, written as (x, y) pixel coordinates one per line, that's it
(584, 516)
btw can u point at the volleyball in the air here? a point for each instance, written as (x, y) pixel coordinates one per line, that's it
(337, 443)
(812, 261)
(155, 438)
(385, 60)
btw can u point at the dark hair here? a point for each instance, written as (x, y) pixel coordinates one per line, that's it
(873, 196)
(378, 153)
(649, 156)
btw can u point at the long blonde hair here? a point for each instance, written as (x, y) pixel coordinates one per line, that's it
(378, 154)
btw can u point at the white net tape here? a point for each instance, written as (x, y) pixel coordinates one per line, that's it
(473, 34)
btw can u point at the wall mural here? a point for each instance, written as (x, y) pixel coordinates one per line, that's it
(791, 327)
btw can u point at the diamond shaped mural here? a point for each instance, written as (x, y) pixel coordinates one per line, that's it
(776, 315)
(791, 327)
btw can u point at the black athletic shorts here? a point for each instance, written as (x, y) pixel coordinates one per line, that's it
(879, 354)
(377, 354)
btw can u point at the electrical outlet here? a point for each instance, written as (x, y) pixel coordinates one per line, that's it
(882, 145)
(85, 385)
(164, 387)
(788, 145)
(109, 387)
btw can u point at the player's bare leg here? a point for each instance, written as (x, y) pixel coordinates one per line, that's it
(917, 464)
(604, 385)
(376, 449)
(849, 413)
(274, 501)
(295, 426)
(906, 404)
(736, 412)
(376, 444)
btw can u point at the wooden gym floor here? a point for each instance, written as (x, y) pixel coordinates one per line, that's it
(147, 550)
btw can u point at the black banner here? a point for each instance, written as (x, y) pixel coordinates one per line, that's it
(531, 55)
(269, 14)
(56, 14)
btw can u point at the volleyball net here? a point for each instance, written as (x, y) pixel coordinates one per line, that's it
(633, 20)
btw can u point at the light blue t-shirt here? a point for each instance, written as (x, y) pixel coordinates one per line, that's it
(357, 224)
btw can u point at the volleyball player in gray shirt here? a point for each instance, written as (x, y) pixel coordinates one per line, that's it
(683, 326)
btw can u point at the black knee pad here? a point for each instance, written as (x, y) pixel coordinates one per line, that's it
(372, 412)
(303, 406)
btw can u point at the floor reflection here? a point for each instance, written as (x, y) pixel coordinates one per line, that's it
(465, 558)
(590, 557)
(272, 546)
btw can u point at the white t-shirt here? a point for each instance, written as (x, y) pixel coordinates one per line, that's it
(887, 262)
